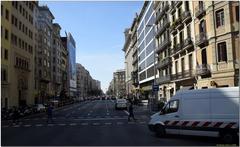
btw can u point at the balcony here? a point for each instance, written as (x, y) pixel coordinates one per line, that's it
(201, 39)
(179, 24)
(186, 17)
(173, 29)
(203, 69)
(155, 4)
(185, 74)
(134, 51)
(200, 11)
(161, 12)
(177, 48)
(187, 43)
(162, 28)
(163, 46)
(172, 8)
(178, 3)
(163, 79)
(163, 63)
(134, 60)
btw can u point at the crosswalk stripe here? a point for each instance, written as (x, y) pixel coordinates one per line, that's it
(95, 124)
(73, 124)
(85, 124)
(39, 125)
(27, 125)
(50, 125)
(119, 123)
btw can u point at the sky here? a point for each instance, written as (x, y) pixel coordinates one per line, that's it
(98, 29)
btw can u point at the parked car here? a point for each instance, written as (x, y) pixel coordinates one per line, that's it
(40, 108)
(121, 104)
(203, 112)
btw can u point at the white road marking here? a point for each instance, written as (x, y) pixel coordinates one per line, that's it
(107, 113)
(50, 125)
(73, 124)
(131, 122)
(95, 124)
(84, 124)
(27, 125)
(5, 126)
(143, 122)
(108, 123)
(16, 126)
(89, 114)
(27, 119)
(39, 125)
(126, 112)
(119, 123)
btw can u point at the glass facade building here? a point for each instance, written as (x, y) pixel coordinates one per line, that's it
(146, 44)
(71, 45)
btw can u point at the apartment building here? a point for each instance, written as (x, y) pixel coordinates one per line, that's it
(44, 54)
(18, 53)
(163, 49)
(182, 52)
(56, 58)
(128, 61)
(146, 47)
(217, 43)
(134, 73)
(119, 83)
(5, 52)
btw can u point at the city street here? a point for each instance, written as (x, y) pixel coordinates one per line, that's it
(91, 123)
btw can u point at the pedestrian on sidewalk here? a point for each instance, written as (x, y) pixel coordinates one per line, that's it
(15, 116)
(49, 113)
(130, 110)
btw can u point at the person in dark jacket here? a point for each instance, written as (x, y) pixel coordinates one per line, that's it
(15, 115)
(49, 113)
(130, 109)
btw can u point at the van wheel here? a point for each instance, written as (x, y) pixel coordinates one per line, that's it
(228, 137)
(160, 130)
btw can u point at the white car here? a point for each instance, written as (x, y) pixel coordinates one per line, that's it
(40, 108)
(121, 104)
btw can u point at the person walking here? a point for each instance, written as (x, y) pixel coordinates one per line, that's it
(130, 109)
(15, 116)
(49, 113)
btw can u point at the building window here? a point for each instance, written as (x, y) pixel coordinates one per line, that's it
(3, 75)
(220, 18)
(204, 57)
(7, 14)
(6, 34)
(202, 26)
(1, 10)
(222, 52)
(237, 13)
(6, 54)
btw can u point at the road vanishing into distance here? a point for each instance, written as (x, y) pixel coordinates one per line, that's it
(91, 123)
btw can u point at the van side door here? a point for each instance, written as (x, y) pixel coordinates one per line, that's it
(171, 117)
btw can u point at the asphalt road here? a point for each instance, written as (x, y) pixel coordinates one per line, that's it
(91, 123)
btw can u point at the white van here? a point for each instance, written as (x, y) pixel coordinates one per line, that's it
(204, 112)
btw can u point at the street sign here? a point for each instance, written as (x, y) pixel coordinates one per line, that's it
(155, 87)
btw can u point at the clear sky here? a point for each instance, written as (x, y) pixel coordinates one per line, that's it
(97, 28)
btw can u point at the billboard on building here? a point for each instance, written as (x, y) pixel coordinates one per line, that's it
(71, 45)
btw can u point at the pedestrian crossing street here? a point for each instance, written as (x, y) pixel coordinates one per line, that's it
(75, 121)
